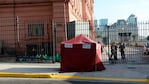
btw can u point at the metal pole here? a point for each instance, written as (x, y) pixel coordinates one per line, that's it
(18, 30)
(15, 24)
(108, 35)
(65, 20)
(108, 41)
(54, 37)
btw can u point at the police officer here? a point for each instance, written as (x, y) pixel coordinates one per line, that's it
(121, 48)
(113, 51)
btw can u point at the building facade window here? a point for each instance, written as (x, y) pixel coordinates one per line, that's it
(35, 29)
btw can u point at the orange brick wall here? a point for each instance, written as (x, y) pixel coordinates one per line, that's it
(33, 11)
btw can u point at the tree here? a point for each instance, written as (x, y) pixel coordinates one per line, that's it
(147, 38)
(134, 37)
(98, 36)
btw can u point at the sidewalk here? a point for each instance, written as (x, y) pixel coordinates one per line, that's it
(113, 72)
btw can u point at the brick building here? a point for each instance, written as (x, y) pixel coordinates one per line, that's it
(27, 23)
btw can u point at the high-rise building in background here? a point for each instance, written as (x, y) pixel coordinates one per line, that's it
(103, 22)
(96, 24)
(120, 31)
(132, 19)
(99, 27)
(121, 22)
(124, 30)
(102, 26)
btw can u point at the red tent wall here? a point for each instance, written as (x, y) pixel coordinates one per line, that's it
(78, 58)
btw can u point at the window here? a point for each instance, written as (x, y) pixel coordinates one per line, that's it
(35, 29)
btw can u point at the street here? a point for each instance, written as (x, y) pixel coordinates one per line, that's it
(55, 81)
(112, 75)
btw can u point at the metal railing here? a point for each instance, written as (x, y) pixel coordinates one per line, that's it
(38, 39)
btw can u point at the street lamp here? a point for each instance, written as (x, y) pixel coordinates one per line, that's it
(108, 36)
(107, 26)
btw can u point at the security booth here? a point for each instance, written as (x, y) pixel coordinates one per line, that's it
(80, 54)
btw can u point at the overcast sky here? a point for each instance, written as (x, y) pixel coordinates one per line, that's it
(121, 9)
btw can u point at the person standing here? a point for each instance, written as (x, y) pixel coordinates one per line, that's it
(122, 50)
(113, 51)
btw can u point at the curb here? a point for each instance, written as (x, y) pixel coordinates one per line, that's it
(100, 78)
(57, 76)
(25, 75)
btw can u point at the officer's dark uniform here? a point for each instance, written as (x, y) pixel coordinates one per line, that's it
(122, 47)
(113, 51)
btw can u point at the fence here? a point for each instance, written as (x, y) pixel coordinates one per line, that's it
(134, 36)
(38, 39)
(26, 37)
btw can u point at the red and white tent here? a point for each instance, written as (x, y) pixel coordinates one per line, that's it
(81, 54)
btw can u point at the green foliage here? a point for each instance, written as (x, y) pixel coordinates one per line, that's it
(147, 38)
(134, 37)
(99, 36)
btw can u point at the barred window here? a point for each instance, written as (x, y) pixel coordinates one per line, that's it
(35, 29)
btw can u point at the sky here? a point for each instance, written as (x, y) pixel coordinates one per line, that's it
(121, 9)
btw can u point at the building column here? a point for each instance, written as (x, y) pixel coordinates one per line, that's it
(59, 19)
